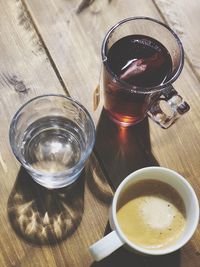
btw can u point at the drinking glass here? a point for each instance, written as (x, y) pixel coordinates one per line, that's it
(128, 104)
(52, 136)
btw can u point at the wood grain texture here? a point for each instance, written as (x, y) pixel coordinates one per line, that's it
(183, 18)
(76, 52)
(77, 56)
(40, 227)
(47, 47)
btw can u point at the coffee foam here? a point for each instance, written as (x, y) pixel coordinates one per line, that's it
(156, 212)
(151, 214)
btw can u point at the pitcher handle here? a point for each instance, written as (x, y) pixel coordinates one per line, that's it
(168, 108)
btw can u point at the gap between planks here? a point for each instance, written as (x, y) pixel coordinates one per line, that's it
(63, 85)
(45, 48)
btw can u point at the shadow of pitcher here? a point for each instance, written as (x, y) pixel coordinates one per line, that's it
(122, 150)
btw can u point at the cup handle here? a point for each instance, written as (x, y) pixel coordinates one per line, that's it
(168, 108)
(105, 246)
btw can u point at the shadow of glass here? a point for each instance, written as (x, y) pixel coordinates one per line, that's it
(97, 182)
(122, 150)
(123, 257)
(41, 216)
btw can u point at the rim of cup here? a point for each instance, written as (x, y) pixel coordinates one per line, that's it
(137, 88)
(172, 247)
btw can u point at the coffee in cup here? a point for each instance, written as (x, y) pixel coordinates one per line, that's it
(155, 211)
(151, 214)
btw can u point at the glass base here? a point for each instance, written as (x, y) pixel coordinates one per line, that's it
(55, 182)
(126, 121)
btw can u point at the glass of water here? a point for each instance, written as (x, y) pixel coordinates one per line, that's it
(52, 136)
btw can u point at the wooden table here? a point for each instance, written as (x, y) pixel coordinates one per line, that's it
(48, 47)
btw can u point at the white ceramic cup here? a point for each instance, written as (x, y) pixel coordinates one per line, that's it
(116, 238)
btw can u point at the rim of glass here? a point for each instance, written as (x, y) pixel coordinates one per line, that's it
(138, 89)
(83, 157)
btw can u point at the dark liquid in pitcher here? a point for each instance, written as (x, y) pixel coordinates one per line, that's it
(140, 61)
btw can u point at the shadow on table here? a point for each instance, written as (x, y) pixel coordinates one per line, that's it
(97, 182)
(122, 150)
(43, 216)
(124, 258)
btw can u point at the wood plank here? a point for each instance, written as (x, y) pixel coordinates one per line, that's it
(78, 57)
(76, 53)
(29, 223)
(183, 17)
